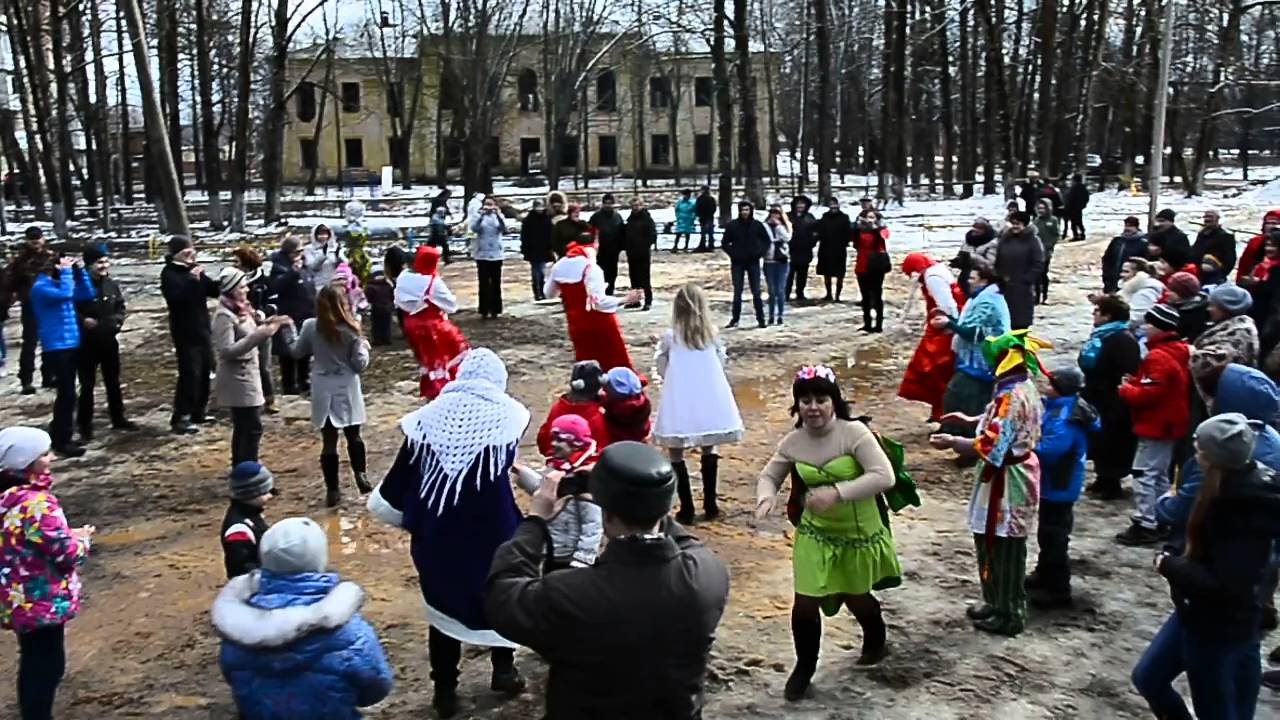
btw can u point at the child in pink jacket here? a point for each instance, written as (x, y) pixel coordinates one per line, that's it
(39, 554)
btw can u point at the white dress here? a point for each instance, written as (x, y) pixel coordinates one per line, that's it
(697, 407)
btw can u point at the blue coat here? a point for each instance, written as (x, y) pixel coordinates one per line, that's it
(295, 646)
(54, 303)
(686, 217)
(1064, 446)
(1243, 390)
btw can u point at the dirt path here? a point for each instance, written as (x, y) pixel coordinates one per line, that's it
(143, 645)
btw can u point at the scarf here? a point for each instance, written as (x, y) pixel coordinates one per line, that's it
(473, 422)
(1093, 347)
(240, 309)
(412, 290)
(1263, 268)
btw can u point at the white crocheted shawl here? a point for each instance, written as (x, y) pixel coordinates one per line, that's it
(473, 420)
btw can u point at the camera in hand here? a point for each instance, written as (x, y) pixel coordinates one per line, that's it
(575, 484)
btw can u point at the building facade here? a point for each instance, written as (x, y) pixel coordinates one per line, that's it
(652, 115)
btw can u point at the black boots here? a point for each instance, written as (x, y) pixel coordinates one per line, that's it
(807, 635)
(684, 515)
(355, 452)
(710, 470)
(874, 633)
(329, 466)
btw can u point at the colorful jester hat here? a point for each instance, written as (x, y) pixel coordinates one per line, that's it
(1013, 349)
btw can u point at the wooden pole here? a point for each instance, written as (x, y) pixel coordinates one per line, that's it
(1155, 163)
(175, 212)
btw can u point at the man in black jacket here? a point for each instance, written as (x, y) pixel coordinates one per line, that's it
(1213, 239)
(628, 638)
(535, 245)
(100, 321)
(1130, 243)
(1166, 242)
(1077, 201)
(641, 234)
(608, 225)
(705, 208)
(186, 290)
(745, 242)
(802, 242)
(19, 274)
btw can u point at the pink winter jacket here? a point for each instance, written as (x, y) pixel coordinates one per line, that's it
(38, 559)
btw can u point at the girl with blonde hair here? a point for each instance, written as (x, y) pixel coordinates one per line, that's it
(697, 408)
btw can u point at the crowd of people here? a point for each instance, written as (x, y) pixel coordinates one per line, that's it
(1174, 390)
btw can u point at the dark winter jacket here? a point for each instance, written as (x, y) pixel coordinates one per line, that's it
(565, 232)
(18, 276)
(186, 296)
(802, 237)
(1120, 249)
(640, 233)
(1175, 249)
(626, 418)
(535, 237)
(1118, 356)
(745, 241)
(1020, 261)
(1159, 395)
(1050, 193)
(54, 305)
(380, 294)
(295, 646)
(1064, 446)
(262, 295)
(1030, 194)
(1077, 198)
(639, 649)
(296, 296)
(242, 529)
(705, 207)
(1215, 591)
(1218, 243)
(106, 308)
(608, 225)
(1193, 316)
(833, 232)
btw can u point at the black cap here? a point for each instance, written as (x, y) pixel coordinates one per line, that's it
(1166, 214)
(178, 243)
(608, 197)
(1067, 381)
(1021, 217)
(33, 232)
(802, 199)
(634, 481)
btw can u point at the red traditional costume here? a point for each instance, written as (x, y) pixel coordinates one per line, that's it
(933, 363)
(426, 300)
(591, 312)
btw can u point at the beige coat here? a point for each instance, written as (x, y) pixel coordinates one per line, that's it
(235, 341)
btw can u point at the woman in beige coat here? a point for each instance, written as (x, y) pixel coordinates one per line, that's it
(238, 332)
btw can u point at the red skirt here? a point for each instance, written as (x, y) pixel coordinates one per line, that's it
(439, 347)
(929, 371)
(595, 335)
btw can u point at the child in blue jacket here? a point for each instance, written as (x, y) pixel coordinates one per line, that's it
(293, 642)
(1063, 449)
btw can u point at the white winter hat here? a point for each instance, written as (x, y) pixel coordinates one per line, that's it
(295, 545)
(21, 446)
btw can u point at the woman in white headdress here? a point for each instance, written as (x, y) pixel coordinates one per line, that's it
(450, 489)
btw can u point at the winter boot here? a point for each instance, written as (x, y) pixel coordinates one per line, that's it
(807, 635)
(355, 453)
(329, 466)
(684, 515)
(445, 701)
(874, 633)
(506, 679)
(710, 474)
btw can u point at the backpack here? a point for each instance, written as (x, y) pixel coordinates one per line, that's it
(902, 494)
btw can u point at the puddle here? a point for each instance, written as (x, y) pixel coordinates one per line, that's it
(128, 536)
(861, 371)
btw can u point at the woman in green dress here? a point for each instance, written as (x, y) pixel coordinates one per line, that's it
(843, 546)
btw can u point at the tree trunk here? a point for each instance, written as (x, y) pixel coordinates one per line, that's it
(822, 35)
(30, 33)
(997, 95)
(724, 109)
(122, 132)
(211, 148)
(62, 111)
(240, 162)
(167, 29)
(1226, 55)
(79, 74)
(324, 97)
(274, 119)
(750, 134)
(968, 138)
(1089, 88)
(1045, 116)
(161, 159)
(32, 173)
(101, 103)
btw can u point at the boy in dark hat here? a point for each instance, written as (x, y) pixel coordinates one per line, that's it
(101, 319)
(250, 487)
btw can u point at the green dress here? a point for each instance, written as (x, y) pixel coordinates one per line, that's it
(848, 549)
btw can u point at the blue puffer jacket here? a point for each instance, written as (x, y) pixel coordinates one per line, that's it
(1064, 447)
(54, 303)
(1244, 390)
(295, 646)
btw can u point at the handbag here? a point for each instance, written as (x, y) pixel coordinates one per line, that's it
(880, 263)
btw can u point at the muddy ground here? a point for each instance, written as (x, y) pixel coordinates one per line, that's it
(143, 645)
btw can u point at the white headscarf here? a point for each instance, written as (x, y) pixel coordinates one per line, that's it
(472, 421)
(411, 292)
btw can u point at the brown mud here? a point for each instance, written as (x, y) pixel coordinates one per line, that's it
(143, 646)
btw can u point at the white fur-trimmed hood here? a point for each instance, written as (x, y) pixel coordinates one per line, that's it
(236, 620)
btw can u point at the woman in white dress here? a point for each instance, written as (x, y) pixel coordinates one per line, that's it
(697, 408)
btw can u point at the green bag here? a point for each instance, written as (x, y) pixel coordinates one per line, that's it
(903, 492)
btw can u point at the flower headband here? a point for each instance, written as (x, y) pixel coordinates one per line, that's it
(809, 372)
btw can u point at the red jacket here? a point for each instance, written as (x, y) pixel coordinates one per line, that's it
(626, 418)
(868, 242)
(589, 411)
(1253, 250)
(1159, 395)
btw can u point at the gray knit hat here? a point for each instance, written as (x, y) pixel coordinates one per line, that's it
(1164, 317)
(295, 545)
(250, 480)
(1227, 440)
(229, 279)
(1232, 298)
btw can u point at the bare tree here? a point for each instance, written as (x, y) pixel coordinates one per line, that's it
(747, 103)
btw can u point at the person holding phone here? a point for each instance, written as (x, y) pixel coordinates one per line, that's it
(577, 531)
(186, 290)
(53, 299)
(489, 228)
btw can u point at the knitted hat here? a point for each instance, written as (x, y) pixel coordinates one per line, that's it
(1228, 440)
(1166, 214)
(1067, 381)
(294, 545)
(178, 243)
(250, 480)
(633, 480)
(229, 279)
(1164, 317)
(1184, 284)
(573, 426)
(624, 381)
(1232, 298)
(93, 254)
(21, 446)
(587, 378)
